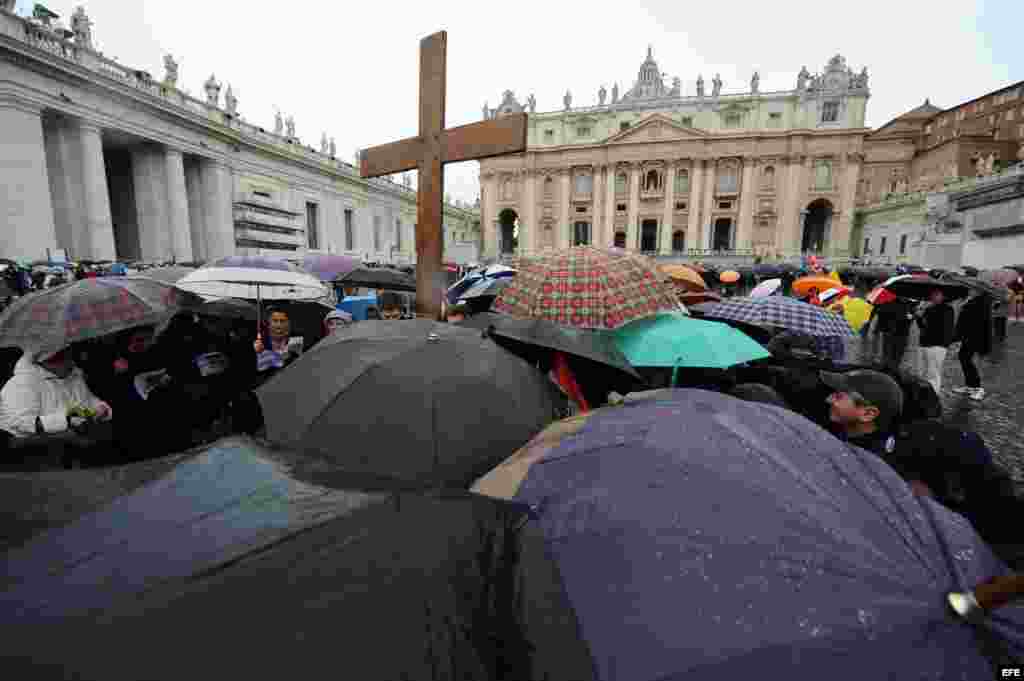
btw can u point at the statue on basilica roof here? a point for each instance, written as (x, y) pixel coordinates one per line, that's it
(601, 94)
(700, 85)
(567, 100)
(755, 82)
(230, 102)
(802, 78)
(531, 102)
(615, 93)
(81, 27)
(716, 85)
(170, 71)
(212, 88)
(677, 87)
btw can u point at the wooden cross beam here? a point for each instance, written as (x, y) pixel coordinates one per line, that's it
(428, 153)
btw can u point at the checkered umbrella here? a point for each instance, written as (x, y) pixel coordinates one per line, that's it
(50, 320)
(787, 313)
(587, 287)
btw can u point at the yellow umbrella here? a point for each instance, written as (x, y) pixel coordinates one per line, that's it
(834, 274)
(685, 277)
(856, 310)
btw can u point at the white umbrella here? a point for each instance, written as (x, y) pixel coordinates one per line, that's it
(766, 288)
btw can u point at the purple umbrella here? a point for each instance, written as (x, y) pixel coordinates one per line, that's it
(703, 537)
(330, 267)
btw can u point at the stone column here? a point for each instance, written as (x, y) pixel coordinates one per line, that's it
(632, 228)
(801, 175)
(99, 225)
(177, 206)
(665, 243)
(597, 201)
(839, 242)
(196, 215)
(696, 191)
(707, 204)
(26, 207)
(63, 163)
(609, 206)
(150, 182)
(748, 191)
(218, 215)
(529, 242)
(564, 239)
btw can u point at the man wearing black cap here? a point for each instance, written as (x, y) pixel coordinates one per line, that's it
(864, 407)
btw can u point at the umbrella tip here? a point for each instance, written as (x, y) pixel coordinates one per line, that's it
(964, 604)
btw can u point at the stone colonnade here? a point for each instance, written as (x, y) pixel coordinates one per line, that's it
(788, 194)
(54, 193)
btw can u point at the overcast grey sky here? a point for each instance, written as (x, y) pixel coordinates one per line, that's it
(351, 69)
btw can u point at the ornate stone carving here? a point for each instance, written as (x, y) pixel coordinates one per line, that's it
(230, 102)
(567, 100)
(289, 126)
(531, 102)
(700, 85)
(854, 157)
(716, 85)
(278, 123)
(755, 83)
(332, 149)
(601, 94)
(615, 93)
(802, 78)
(81, 27)
(212, 88)
(677, 87)
(324, 146)
(509, 105)
(170, 71)
(486, 112)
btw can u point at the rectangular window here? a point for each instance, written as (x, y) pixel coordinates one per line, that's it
(549, 135)
(583, 131)
(312, 227)
(581, 234)
(682, 182)
(350, 235)
(688, 121)
(867, 245)
(1010, 114)
(774, 120)
(881, 246)
(376, 232)
(584, 184)
(680, 205)
(725, 205)
(830, 112)
(621, 208)
(398, 235)
(261, 194)
(581, 209)
(903, 244)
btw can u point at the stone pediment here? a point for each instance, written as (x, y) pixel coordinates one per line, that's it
(656, 128)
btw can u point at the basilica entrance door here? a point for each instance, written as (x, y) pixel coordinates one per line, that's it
(649, 236)
(508, 220)
(817, 225)
(721, 238)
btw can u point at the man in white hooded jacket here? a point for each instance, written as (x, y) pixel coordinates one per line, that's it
(38, 397)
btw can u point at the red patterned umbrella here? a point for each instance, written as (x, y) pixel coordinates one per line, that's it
(587, 287)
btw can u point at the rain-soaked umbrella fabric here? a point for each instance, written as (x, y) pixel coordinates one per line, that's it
(253, 278)
(597, 347)
(857, 312)
(456, 290)
(704, 537)
(685, 277)
(587, 287)
(229, 308)
(803, 285)
(1003, 277)
(919, 288)
(766, 288)
(998, 293)
(784, 312)
(380, 277)
(423, 403)
(698, 297)
(330, 267)
(487, 288)
(168, 275)
(50, 320)
(255, 563)
(680, 341)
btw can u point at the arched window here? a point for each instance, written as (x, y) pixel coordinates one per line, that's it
(682, 182)
(620, 183)
(549, 188)
(620, 239)
(651, 181)
(678, 241)
(768, 178)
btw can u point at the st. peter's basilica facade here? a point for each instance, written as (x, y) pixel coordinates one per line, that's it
(772, 173)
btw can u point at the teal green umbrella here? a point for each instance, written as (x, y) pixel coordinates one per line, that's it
(670, 340)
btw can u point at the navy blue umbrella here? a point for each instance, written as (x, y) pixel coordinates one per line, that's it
(703, 537)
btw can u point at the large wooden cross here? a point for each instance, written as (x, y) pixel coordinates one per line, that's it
(428, 153)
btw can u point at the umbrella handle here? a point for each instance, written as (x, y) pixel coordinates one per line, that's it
(675, 372)
(988, 596)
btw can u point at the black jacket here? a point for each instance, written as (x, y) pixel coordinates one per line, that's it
(974, 327)
(937, 326)
(894, 317)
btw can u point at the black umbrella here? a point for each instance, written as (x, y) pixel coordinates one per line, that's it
(423, 403)
(229, 308)
(970, 271)
(919, 288)
(379, 277)
(486, 288)
(195, 552)
(767, 270)
(1019, 268)
(998, 293)
(594, 346)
